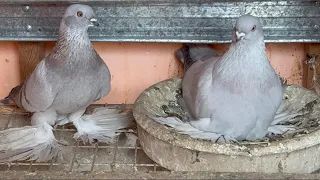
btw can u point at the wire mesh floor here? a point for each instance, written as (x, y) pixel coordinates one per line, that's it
(123, 155)
(123, 159)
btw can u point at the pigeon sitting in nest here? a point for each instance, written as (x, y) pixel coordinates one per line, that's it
(235, 97)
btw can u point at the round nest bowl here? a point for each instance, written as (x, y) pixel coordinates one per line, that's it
(298, 153)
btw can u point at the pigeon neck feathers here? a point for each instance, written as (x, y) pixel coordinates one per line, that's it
(73, 43)
(74, 39)
(242, 55)
(73, 52)
(245, 65)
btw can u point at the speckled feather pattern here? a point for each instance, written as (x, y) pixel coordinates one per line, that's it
(60, 88)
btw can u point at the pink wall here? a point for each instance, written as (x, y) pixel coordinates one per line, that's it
(136, 66)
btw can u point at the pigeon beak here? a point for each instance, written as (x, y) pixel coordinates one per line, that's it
(94, 22)
(239, 36)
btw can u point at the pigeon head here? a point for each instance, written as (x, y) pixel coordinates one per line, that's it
(248, 27)
(79, 16)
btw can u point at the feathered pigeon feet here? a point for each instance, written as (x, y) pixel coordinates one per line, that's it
(31, 143)
(213, 137)
(226, 139)
(95, 137)
(103, 125)
(62, 120)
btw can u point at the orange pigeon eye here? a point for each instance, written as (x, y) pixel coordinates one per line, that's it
(79, 14)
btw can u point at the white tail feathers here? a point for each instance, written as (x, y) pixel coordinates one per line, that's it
(285, 117)
(34, 143)
(284, 114)
(280, 129)
(103, 125)
(277, 128)
(188, 129)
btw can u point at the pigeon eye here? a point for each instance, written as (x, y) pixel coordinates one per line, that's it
(79, 14)
(253, 28)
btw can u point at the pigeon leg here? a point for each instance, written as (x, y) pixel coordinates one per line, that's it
(62, 120)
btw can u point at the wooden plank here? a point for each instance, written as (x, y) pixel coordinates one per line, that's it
(151, 175)
(312, 48)
(30, 54)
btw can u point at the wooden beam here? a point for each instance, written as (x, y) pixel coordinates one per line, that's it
(30, 54)
(11, 174)
(311, 48)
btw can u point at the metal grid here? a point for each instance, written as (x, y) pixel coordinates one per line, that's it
(201, 21)
(123, 155)
(125, 159)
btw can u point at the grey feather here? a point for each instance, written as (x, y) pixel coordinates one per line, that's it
(188, 61)
(64, 83)
(236, 95)
(196, 52)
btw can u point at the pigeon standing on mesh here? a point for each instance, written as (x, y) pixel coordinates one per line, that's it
(59, 90)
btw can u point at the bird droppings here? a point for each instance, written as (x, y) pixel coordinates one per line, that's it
(168, 147)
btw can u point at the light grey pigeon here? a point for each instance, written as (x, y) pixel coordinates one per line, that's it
(233, 97)
(59, 90)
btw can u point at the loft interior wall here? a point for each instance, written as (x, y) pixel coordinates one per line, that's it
(136, 66)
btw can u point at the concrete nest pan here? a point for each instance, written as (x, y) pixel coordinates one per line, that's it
(296, 152)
